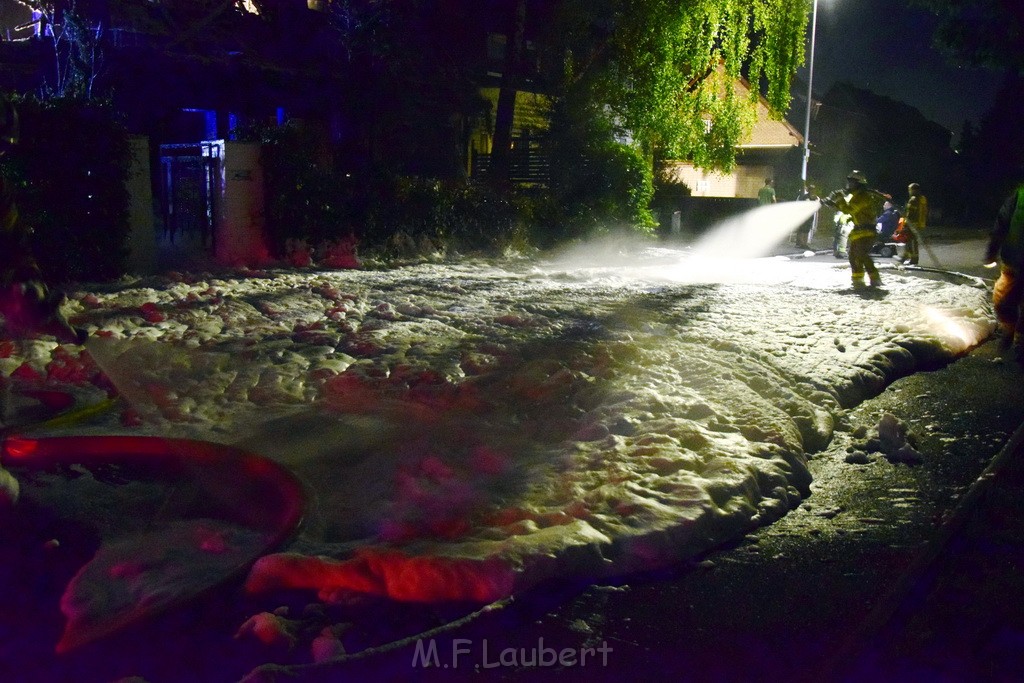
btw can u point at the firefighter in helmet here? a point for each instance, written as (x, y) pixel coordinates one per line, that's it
(27, 305)
(860, 203)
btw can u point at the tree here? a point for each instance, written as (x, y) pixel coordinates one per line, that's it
(663, 71)
(982, 32)
(501, 152)
(77, 47)
(994, 156)
(411, 73)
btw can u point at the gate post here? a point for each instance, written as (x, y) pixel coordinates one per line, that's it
(239, 215)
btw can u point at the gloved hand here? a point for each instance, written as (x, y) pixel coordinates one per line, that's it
(832, 198)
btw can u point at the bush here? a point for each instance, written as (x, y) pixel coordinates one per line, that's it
(310, 202)
(460, 215)
(599, 183)
(70, 173)
(305, 198)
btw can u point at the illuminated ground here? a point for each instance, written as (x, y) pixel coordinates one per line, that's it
(577, 363)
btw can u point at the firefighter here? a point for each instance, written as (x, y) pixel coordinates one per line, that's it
(27, 305)
(1006, 249)
(916, 215)
(860, 203)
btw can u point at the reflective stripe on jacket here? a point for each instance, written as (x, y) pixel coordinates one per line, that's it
(917, 211)
(860, 204)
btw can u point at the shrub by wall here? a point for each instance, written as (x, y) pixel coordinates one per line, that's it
(598, 184)
(70, 172)
(308, 200)
(305, 198)
(463, 216)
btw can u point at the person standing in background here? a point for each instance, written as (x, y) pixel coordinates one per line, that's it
(887, 222)
(766, 195)
(916, 217)
(802, 235)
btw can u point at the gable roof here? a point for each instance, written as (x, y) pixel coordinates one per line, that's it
(767, 133)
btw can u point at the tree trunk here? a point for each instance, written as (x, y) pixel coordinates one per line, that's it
(501, 148)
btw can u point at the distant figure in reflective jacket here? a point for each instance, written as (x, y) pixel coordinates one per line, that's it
(1006, 247)
(916, 215)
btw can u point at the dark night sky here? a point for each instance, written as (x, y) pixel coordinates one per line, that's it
(884, 47)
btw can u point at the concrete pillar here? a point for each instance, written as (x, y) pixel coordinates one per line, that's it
(142, 249)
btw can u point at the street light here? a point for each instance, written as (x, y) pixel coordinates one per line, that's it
(810, 85)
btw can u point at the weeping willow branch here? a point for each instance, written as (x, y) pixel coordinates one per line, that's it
(665, 70)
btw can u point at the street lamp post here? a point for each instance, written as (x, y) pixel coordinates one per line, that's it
(810, 86)
(807, 118)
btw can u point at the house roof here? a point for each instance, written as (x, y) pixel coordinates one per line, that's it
(767, 133)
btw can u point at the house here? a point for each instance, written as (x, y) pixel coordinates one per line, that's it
(530, 118)
(530, 124)
(756, 158)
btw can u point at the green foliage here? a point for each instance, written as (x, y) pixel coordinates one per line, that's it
(435, 215)
(463, 216)
(665, 69)
(306, 199)
(70, 173)
(597, 182)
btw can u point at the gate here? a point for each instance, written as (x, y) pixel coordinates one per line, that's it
(190, 189)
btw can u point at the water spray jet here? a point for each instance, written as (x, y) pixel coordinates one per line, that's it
(754, 233)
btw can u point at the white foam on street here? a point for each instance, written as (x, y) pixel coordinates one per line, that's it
(554, 417)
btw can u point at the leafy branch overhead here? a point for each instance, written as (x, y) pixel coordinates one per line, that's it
(664, 70)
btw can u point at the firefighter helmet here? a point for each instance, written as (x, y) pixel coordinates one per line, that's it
(913, 188)
(857, 177)
(9, 129)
